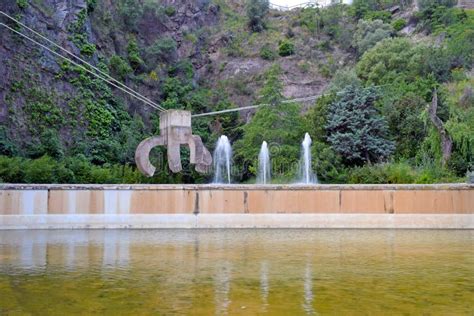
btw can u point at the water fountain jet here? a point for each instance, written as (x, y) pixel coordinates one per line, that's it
(307, 175)
(222, 160)
(264, 174)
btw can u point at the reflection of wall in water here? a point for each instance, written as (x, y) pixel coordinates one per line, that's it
(222, 280)
(116, 249)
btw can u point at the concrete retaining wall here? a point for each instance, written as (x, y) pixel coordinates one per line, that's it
(186, 206)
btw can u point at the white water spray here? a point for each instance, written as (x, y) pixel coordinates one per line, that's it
(222, 160)
(264, 174)
(306, 171)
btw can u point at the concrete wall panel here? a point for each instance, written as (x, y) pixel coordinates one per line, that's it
(241, 200)
(218, 201)
(293, 201)
(366, 201)
(76, 202)
(434, 201)
(162, 202)
(23, 202)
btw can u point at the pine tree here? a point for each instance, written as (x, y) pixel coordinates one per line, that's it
(279, 124)
(356, 129)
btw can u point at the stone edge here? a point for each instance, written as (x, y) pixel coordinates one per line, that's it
(214, 221)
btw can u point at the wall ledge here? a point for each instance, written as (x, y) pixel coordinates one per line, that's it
(238, 187)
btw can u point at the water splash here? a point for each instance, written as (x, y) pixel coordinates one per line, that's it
(264, 174)
(222, 160)
(307, 175)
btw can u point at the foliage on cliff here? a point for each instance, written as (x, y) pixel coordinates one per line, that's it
(60, 124)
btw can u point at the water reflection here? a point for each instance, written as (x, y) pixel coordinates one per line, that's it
(237, 271)
(308, 290)
(222, 288)
(116, 249)
(264, 285)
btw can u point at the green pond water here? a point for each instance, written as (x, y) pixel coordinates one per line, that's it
(237, 272)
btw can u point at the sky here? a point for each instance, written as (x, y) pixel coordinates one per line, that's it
(295, 2)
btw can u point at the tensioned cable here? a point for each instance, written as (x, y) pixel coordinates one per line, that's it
(78, 65)
(313, 97)
(255, 106)
(130, 91)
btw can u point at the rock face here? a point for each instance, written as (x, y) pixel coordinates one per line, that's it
(186, 35)
(27, 69)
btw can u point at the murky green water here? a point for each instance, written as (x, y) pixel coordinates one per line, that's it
(237, 272)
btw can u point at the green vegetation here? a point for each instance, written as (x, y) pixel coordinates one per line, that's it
(119, 67)
(286, 48)
(355, 129)
(399, 24)
(266, 52)
(22, 4)
(163, 49)
(256, 12)
(369, 33)
(371, 125)
(279, 124)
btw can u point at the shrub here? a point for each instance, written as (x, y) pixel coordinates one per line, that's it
(134, 54)
(8, 146)
(267, 53)
(392, 59)
(286, 48)
(399, 24)
(119, 67)
(162, 49)
(343, 78)
(12, 169)
(426, 4)
(256, 12)
(170, 10)
(384, 16)
(369, 33)
(131, 11)
(41, 170)
(91, 5)
(22, 4)
(88, 49)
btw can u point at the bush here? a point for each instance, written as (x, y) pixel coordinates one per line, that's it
(162, 49)
(41, 170)
(392, 59)
(88, 49)
(426, 4)
(22, 4)
(12, 170)
(267, 53)
(256, 12)
(286, 48)
(119, 67)
(369, 33)
(170, 10)
(384, 16)
(134, 54)
(399, 24)
(91, 4)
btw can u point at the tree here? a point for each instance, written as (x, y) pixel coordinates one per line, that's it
(392, 59)
(426, 4)
(256, 12)
(279, 124)
(356, 129)
(369, 33)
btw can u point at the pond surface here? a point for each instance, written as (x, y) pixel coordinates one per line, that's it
(237, 272)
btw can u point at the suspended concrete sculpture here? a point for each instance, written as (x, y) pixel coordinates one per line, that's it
(175, 130)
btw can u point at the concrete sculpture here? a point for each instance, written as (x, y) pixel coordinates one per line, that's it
(175, 130)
